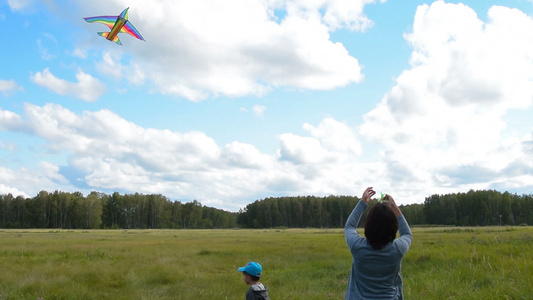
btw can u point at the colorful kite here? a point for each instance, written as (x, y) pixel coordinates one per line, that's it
(117, 24)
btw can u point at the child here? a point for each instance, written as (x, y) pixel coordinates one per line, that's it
(252, 273)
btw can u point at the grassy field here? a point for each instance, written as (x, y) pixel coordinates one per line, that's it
(443, 263)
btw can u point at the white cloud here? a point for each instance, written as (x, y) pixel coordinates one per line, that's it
(106, 152)
(326, 162)
(259, 110)
(443, 124)
(19, 5)
(9, 86)
(112, 153)
(87, 88)
(330, 141)
(28, 182)
(79, 52)
(245, 156)
(10, 121)
(110, 67)
(198, 49)
(45, 44)
(336, 136)
(337, 13)
(302, 150)
(4, 190)
(9, 147)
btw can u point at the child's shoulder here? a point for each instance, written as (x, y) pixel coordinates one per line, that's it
(258, 287)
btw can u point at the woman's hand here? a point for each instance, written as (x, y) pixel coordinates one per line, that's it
(367, 194)
(393, 205)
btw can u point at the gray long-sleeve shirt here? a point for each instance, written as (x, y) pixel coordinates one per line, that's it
(375, 274)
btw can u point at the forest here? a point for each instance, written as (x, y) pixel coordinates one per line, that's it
(115, 211)
(138, 211)
(474, 208)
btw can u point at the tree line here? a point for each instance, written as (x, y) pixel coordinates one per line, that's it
(474, 208)
(98, 210)
(298, 212)
(479, 208)
(137, 211)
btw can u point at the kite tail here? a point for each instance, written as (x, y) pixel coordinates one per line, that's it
(106, 35)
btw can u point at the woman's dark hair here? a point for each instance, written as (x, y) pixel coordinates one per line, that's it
(381, 226)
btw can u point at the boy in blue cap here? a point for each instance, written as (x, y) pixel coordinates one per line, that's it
(252, 273)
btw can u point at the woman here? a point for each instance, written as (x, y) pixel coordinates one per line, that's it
(377, 259)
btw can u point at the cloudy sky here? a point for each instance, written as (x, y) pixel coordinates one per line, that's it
(231, 101)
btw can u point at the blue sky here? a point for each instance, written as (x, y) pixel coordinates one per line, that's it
(228, 102)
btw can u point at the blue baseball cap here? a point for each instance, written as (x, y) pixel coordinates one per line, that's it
(252, 268)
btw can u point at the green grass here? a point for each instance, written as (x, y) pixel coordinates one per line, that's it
(443, 263)
(471, 263)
